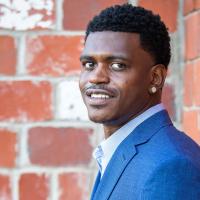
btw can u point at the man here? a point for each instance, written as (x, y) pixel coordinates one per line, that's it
(124, 66)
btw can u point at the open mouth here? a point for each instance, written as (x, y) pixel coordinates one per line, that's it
(99, 96)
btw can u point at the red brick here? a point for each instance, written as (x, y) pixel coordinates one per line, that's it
(5, 189)
(190, 124)
(29, 15)
(192, 39)
(77, 14)
(25, 101)
(53, 55)
(191, 5)
(76, 191)
(59, 146)
(33, 187)
(197, 82)
(168, 10)
(7, 55)
(197, 4)
(188, 85)
(188, 6)
(168, 99)
(7, 148)
(191, 84)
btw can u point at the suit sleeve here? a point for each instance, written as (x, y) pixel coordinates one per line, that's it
(173, 180)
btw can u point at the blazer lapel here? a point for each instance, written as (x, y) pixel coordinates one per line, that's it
(113, 171)
(96, 185)
(126, 152)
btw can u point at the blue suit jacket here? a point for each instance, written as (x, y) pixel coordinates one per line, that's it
(155, 162)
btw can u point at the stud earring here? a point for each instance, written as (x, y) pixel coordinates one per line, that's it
(153, 90)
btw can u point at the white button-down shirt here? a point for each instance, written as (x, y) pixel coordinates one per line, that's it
(109, 145)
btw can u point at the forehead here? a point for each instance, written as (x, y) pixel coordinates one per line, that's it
(109, 42)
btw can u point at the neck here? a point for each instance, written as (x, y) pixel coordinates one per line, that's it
(110, 128)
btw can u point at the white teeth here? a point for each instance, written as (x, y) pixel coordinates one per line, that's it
(100, 96)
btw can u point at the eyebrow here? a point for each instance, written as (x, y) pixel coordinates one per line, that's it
(108, 58)
(85, 57)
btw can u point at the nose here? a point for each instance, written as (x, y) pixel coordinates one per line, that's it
(99, 75)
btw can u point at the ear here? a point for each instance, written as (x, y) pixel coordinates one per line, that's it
(158, 75)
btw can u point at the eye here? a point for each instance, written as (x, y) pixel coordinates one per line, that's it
(88, 65)
(118, 66)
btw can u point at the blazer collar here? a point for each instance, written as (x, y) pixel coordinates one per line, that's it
(126, 152)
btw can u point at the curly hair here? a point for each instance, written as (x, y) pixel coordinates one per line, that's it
(154, 36)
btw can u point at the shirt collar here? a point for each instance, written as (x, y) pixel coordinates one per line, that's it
(110, 144)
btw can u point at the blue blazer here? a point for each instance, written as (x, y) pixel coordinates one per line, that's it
(155, 162)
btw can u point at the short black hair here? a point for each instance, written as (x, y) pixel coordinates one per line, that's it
(154, 36)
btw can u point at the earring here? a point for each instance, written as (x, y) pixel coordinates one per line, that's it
(153, 90)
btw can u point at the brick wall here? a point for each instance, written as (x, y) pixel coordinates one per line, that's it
(191, 110)
(46, 139)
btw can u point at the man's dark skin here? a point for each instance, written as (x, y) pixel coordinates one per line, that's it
(115, 65)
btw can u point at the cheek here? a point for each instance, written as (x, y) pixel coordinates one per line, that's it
(127, 85)
(133, 88)
(82, 81)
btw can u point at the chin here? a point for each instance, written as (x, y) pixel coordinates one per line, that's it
(96, 119)
(105, 119)
(101, 115)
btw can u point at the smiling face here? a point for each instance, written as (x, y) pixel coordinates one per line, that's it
(115, 77)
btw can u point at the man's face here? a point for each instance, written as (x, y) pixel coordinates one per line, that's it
(115, 76)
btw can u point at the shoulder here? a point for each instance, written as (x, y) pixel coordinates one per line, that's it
(170, 144)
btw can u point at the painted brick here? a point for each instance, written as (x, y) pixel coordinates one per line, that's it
(5, 190)
(188, 6)
(192, 39)
(7, 148)
(77, 14)
(25, 101)
(7, 55)
(76, 191)
(168, 10)
(33, 186)
(27, 14)
(197, 83)
(168, 99)
(188, 88)
(70, 105)
(190, 124)
(53, 55)
(50, 146)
